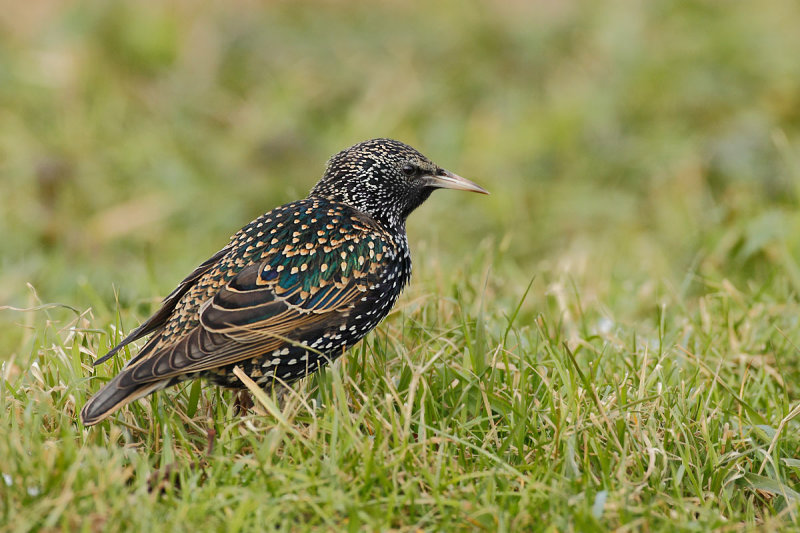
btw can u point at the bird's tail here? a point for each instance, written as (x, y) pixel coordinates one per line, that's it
(114, 395)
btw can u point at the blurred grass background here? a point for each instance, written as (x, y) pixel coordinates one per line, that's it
(135, 137)
(639, 154)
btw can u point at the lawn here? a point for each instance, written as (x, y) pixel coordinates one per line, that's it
(611, 340)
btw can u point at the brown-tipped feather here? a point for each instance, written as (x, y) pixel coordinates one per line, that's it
(111, 397)
(167, 307)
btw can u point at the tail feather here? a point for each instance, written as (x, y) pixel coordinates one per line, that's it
(113, 396)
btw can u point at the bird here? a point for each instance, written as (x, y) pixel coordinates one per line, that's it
(293, 289)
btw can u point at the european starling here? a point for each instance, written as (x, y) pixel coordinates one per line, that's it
(293, 289)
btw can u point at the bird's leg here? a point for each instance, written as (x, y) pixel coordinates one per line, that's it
(211, 435)
(243, 402)
(281, 392)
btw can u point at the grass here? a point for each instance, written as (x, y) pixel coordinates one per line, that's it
(609, 341)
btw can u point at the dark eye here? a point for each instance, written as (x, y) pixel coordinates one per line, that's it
(409, 170)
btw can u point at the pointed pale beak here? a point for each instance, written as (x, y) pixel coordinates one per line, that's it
(447, 180)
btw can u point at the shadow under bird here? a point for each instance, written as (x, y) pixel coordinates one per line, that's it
(293, 289)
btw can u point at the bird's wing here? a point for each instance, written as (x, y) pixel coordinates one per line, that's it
(292, 295)
(160, 317)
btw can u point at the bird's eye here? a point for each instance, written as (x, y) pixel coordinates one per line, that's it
(409, 170)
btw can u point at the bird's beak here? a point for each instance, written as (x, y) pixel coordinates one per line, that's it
(447, 180)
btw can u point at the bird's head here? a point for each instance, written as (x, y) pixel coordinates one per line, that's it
(385, 179)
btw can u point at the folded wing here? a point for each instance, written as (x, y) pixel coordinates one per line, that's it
(267, 306)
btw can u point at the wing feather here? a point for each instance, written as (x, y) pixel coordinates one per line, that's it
(268, 306)
(161, 316)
